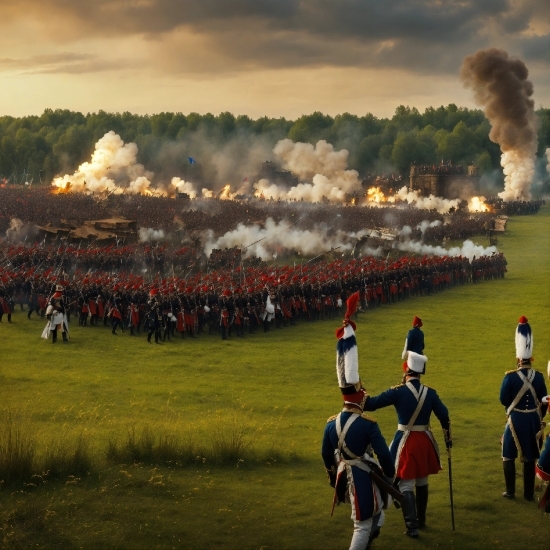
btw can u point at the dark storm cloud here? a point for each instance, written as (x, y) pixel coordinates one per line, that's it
(428, 35)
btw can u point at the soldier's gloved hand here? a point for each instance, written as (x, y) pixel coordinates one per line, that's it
(449, 443)
(331, 478)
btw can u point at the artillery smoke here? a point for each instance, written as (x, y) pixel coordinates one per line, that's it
(322, 164)
(500, 85)
(423, 203)
(468, 249)
(113, 168)
(19, 231)
(147, 234)
(274, 237)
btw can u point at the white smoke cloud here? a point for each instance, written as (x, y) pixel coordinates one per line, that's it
(274, 237)
(322, 164)
(424, 224)
(182, 186)
(548, 160)
(423, 203)
(468, 249)
(18, 231)
(147, 234)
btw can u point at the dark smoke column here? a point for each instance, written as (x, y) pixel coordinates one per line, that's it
(501, 87)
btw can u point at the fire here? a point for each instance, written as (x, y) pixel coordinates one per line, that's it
(60, 189)
(477, 204)
(375, 194)
(225, 193)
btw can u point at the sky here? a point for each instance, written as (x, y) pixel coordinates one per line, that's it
(258, 57)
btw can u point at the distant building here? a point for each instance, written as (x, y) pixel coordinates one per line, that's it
(270, 171)
(447, 180)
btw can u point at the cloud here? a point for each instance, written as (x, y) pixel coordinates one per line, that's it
(69, 63)
(221, 36)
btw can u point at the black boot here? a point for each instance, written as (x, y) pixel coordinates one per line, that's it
(408, 505)
(529, 480)
(64, 334)
(421, 504)
(509, 467)
(54, 336)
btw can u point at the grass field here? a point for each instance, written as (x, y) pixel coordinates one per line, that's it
(244, 420)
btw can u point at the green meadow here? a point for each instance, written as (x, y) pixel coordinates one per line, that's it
(207, 443)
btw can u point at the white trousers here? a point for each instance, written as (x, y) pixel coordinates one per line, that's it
(408, 484)
(362, 531)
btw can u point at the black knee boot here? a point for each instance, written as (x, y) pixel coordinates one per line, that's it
(529, 480)
(408, 505)
(421, 504)
(509, 467)
(54, 336)
(64, 334)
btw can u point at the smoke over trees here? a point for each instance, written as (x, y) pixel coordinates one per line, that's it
(500, 85)
(228, 148)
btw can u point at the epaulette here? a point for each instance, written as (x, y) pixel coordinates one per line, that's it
(367, 417)
(510, 372)
(395, 387)
(331, 418)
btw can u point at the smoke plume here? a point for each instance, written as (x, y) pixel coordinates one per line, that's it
(423, 203)
(147, 234)
(274, 238)
(19, 231)
(322, 164)
(468, 249)
(112, 168)
(500, 86)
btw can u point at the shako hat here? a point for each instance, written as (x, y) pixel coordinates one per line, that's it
(416, 362)
(347, 360)
(524, 339)
(417, 322)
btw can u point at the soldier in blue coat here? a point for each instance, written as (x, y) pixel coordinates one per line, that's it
(521, 393)
(415, 339)
(349, 440)
(414, 449)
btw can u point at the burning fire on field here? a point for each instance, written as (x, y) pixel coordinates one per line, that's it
(375, 194)
(477, 204)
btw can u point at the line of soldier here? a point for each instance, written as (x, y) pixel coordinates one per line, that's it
(365, 472)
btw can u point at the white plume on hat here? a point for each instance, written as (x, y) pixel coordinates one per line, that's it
(347, 359)
(416, 362)
(524, 339)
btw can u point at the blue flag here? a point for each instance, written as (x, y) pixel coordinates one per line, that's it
(192, 160)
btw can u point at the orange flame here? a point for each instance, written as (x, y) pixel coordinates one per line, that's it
(375, 194)
(477, 204)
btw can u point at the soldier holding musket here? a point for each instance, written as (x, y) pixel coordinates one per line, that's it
(348, 444)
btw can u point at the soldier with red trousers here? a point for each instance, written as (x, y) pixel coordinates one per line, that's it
(414, 448)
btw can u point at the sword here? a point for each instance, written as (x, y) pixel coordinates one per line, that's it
(450, 481)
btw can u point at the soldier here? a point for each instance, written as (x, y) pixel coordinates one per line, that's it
(543, 464)
(348, 442)
(415, 339)
(57, 317)
(414, 448)
(521, 393)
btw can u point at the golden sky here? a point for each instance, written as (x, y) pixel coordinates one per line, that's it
(258, 57)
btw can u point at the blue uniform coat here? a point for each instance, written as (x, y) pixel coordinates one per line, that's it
(524, 425)
(362, 433)
(405, 404)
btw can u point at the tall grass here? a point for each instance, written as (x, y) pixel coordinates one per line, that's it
(17, 450)
(21, 462)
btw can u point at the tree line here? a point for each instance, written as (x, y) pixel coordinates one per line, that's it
(37, 148)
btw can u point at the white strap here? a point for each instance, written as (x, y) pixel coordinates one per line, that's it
(527, 386)
(421, 397)
(342, 432)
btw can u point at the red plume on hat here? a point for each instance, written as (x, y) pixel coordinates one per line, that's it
(417, 322)
(351, 308)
